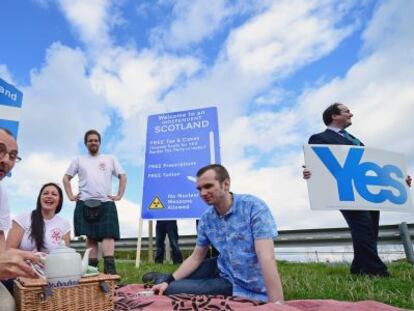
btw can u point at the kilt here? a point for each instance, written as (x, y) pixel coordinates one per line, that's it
(106, 227)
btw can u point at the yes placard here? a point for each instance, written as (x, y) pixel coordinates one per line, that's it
(357, 178)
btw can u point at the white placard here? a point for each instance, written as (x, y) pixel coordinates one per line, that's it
(357, 178)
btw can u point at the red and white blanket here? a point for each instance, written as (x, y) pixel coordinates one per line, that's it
(128, 298)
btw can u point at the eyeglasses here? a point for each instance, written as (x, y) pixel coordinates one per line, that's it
(12, 154)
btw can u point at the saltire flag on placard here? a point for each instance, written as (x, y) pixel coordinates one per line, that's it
(10, 107)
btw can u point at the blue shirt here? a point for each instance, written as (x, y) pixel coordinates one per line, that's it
(233, 235)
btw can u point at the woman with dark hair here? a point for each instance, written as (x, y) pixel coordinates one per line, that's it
(41, 230)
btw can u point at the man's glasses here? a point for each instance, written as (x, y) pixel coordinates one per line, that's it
(12, 154)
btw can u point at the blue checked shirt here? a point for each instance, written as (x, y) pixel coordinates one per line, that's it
(233, 235)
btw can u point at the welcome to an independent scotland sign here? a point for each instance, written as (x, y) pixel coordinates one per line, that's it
(178, 145)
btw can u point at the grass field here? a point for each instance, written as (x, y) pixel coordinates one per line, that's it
(319, 281)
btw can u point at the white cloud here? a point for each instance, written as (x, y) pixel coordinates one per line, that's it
(242, 71)
(193, 21)
(391, 28)
(92, 19)
(134, 82)
(34, 171)
(264, 132)
(275, 96)
(60, 105)
(128, 216)
(285, 37)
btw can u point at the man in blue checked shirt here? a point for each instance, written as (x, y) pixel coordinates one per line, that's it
(242, 229)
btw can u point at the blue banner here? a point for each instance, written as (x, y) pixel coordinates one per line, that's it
(10, 105)
(178, 145)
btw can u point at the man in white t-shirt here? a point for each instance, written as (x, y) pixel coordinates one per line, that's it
(12, 262)
(95, 212)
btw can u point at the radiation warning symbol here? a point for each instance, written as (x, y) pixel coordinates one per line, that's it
(156, 203)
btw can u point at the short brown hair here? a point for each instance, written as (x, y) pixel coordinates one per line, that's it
(221, 173)
(331, 110)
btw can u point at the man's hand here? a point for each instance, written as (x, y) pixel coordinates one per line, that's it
(13, 264)
(306, 173)
(115, 197)
(159, 289)
(408, 180)
(74, 197)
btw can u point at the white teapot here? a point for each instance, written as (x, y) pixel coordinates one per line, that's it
(63, 266)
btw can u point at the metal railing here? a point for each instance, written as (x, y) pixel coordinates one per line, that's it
(388, 234)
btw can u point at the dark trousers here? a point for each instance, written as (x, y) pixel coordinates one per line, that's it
(364, 232)
(164, 227)
(205, 280)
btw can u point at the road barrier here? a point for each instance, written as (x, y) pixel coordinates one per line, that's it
(388, 234)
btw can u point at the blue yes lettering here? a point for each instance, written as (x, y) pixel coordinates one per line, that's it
(355, 173)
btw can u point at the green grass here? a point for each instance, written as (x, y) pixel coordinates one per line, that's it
(318, 281)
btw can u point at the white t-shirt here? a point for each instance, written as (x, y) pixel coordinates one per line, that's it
(4, 210)
(95, 175)
(55, 229)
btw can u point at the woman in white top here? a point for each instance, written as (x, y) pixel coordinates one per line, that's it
(41, 230)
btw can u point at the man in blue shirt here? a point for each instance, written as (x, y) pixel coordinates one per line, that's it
(242, 229)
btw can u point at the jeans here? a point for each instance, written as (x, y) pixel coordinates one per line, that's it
(203, 281)
(164, 227)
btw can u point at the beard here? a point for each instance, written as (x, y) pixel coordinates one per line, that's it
(93, 150)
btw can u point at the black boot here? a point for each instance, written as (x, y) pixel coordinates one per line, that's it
(93, 262)
(109, 265)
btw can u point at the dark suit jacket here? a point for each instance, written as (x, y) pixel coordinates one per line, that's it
(329, 137)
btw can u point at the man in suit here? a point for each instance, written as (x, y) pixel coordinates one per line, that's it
(362, 224)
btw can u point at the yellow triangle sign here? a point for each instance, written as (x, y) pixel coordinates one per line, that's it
(156, 203)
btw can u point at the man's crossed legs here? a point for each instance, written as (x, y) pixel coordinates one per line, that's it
(205, 280)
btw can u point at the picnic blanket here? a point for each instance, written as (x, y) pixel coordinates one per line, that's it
(128, 298)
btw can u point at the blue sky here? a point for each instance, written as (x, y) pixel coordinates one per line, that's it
(270, 67)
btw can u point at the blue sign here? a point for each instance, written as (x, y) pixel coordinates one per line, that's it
(10, 104)
(178, 145)
(363, 176)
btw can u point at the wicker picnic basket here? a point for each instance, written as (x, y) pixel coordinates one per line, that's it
(92, 293)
